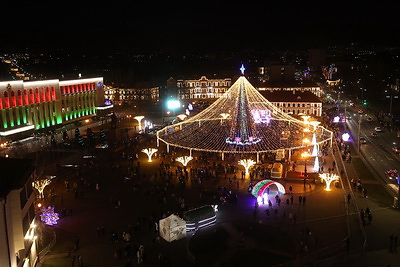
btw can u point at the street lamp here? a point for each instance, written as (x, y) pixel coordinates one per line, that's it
(139, 119)
(305, 155)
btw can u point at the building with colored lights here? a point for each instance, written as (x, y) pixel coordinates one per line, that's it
(295, 102)
(203, 88)
(19, 234)
(32, 105)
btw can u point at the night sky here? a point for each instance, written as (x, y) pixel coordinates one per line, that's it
(196, 26)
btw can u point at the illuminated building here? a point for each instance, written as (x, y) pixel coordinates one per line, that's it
(302, 86)
(33, 105)
(18, 238)
(202, 88)
(295, 102)
(132, 95)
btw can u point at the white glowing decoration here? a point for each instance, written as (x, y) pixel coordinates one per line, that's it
(149, 152)
(184, 160)
(247, 163)
(315, 124)
(336, 119)
(315, 150)
(328, 178)
(316, 165)
(314, 139)
(345, 137)
(139, 119)
(40, 185)
(305, 119)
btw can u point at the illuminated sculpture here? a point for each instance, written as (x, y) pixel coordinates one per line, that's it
(40, 185)
(260, 187)
(139, 119)
(254, 125)
(328, 178)
(184, 160)
(48, 215)
(246, 163)
(149, 152)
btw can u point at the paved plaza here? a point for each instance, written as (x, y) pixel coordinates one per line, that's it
(109, 201)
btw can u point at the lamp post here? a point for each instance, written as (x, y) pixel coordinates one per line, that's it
(305, 155)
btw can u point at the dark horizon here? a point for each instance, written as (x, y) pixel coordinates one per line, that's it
(216, 27)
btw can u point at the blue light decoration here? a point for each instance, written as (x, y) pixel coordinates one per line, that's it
(107, 102)
(242, 69)
(48, 215)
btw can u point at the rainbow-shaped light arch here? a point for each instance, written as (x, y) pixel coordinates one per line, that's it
(261, 186)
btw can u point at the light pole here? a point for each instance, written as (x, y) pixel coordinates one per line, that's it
(305, 155)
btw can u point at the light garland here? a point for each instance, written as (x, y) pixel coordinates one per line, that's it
(149, 152)
(253, 125)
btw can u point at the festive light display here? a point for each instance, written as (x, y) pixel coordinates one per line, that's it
(254, 125)
(247, 163)
(149, 152)
(328, 178)
(261, 186)
(139, 119)
(316, 165)
(48, 215)
(184, 160)
(40, 185)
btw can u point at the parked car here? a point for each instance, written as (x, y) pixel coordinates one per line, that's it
(374, 134)
(369, 119)
(378, 129)
(363, 140)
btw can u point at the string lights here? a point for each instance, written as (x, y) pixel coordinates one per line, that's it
(40, 185)
(240, 121)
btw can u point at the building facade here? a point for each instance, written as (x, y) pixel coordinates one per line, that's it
(302, 86)
(202, 88)
(132, 95)
(18, 225)
(295, 102)
(33, 105)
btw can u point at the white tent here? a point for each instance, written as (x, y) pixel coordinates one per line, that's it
(172, 228)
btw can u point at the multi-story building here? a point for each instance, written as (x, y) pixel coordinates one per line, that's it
(302, 86)
(33, 105)
(19, 237)
(132, 95)
(202, 88)
(295, 102)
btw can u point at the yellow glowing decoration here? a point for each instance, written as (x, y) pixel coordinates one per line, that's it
(40, 185)
(328, 178)
(149, 152)
(247, 163)
(139, 119)
(184, 160)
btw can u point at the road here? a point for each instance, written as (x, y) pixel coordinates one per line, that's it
(377, 151)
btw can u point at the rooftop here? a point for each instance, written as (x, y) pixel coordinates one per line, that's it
(290, 96)
(14, 174)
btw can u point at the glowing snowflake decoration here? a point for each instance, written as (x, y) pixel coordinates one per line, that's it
(48, 215)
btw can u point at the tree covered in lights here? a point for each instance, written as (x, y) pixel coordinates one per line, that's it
(240, 121)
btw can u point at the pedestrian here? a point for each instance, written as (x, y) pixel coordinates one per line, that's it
(291, 199)
(300, 199)
(76, 243)
(290, 189)
(347, 243)
(348, 198)
(369, 217)
(304, 200)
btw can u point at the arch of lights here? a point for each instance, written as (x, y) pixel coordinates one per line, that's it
(261, 186)
(241, 121)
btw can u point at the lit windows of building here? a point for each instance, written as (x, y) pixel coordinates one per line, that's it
(203, 88)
